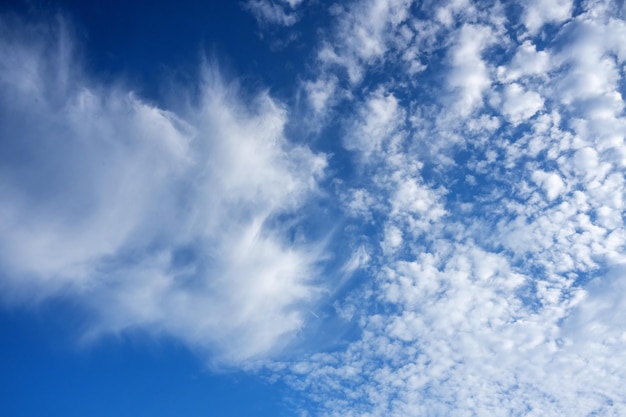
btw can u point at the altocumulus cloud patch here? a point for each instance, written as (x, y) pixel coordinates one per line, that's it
(475, 156)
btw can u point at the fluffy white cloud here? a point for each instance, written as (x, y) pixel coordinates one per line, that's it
(591, 59)
(537, 13)
(362, 34)
(322, 94)
(527, 62)
(379, 118)
(519, 105)
(469, 74)
(551, 183)
(392, 240)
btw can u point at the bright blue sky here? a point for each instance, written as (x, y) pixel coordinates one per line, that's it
(307, 208)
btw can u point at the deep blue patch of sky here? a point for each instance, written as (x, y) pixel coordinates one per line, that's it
(44, 373)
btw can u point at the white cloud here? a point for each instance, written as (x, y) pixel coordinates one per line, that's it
(378, 119)
(537, 13)
(520, 105)
(446, 13)
(359, 203)
(527, 62)
(469, 74)
(585, 160)
(322, 94)
(270, 12)
(418, 204)
(591, 58)
(153, 220)
(361, 36)
(359, 259)
(392, 239)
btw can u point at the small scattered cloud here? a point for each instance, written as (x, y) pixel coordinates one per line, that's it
(270, 12)
(538, 13)
(519, 105)
(469, 74)
(378, 119)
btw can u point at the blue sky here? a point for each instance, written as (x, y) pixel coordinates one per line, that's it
(308, 208)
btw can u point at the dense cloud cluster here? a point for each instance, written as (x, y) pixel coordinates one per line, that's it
(494, 175)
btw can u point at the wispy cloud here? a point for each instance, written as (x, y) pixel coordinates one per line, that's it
(270, 12)
(153, 220)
